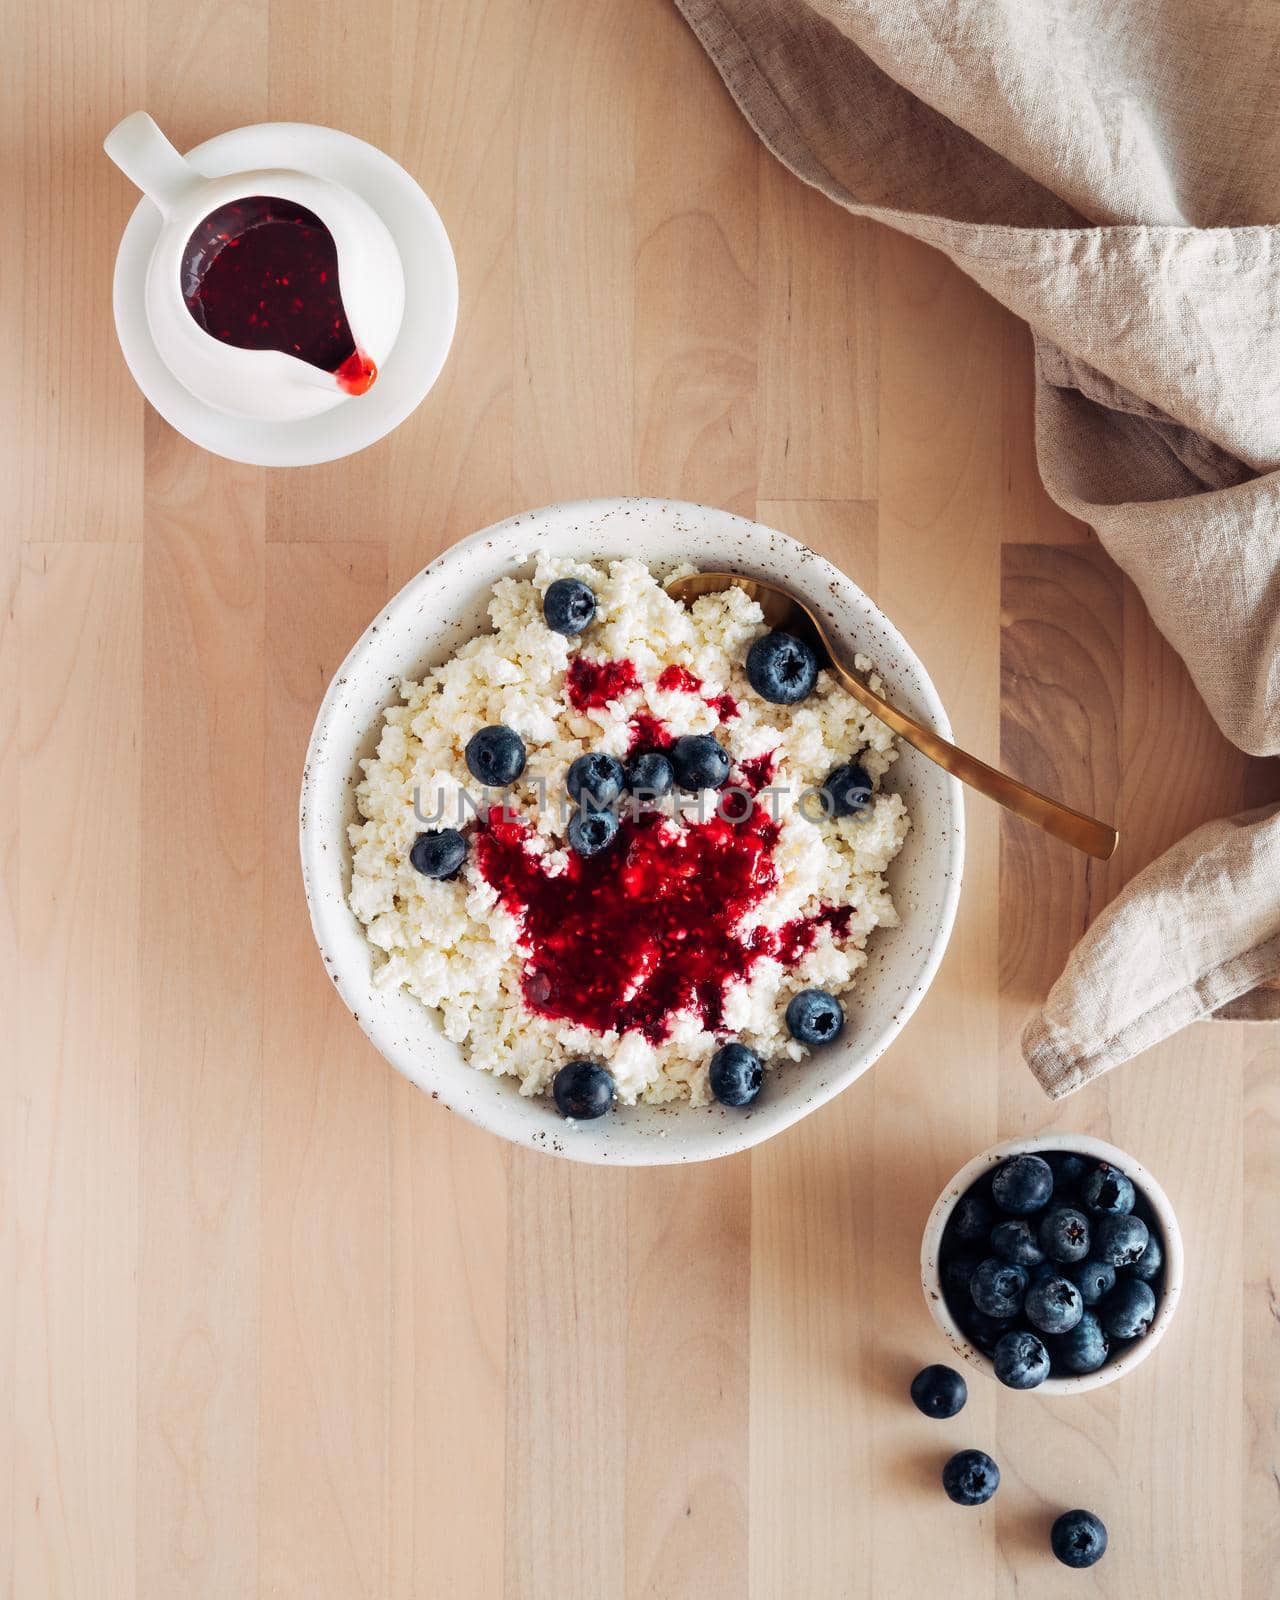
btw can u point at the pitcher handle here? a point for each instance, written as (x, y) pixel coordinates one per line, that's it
(146, 157)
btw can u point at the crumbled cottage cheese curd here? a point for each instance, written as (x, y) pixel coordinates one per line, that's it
(455, 944)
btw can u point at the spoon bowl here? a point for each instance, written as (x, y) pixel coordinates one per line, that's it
(782, 609)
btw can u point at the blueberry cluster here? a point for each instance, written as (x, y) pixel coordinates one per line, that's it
(970, 1477)
(1050, 1264)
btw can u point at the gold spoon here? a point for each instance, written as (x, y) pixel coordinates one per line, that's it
(780, 606)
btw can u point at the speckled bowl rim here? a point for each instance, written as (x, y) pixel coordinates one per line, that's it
(525, 1120)
(1085, 1145)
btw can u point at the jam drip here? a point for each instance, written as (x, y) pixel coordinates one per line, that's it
(262, 274)
(652, 926)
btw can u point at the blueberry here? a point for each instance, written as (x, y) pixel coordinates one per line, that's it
(1093, 1279)
(583, 1089)
(849, 789)
(998, 1287)
(699, 762)
(736, 1075)
(957, 1270)
(1078, 1538)
(1085, 1348)
(1054, 1305)
(1022, 1185)
(985, 1332)
(590, 832)
(781, 668)
(568, 606)
(970, 1478)
(1107, 1192)
(650, 774)
(1015, 1241)
(938, 1392)
(1120, 1240)
(972, 1218)
(598, 778)
(1064, 1234)
(1147, 1266)
(438, 855)
(1067, 1167)
(815, 1017)
(1127, 1311)
(1021, 1360)
(495, 756)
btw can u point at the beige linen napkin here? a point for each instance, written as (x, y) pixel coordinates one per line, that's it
(1109, 173)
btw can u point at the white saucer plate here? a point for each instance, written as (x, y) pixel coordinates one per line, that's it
(431, 303)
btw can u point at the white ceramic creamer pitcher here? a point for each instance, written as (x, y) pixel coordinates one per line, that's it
(277, 384)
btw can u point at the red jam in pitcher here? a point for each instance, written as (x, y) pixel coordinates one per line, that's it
(262, 274)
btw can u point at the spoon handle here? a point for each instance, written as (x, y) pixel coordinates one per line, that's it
(1073, 827)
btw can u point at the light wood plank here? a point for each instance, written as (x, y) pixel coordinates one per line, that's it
(326, 1302)
(75, 418)
(452, 1350)
(75, 1107)
(819, 333)
(565, 1501)
(695, 267)
(1061, 700)
(202, 945)
(455, 76)
(575, 184)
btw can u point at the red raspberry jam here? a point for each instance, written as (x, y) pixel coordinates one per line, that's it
(674, 677)
(797, 938)
(651, 926)
(648, 733)
(262, 274)
(591, 684)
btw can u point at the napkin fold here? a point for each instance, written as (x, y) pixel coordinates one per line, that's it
(1108, 173)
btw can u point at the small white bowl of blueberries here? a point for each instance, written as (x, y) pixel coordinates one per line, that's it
(1053, 1263)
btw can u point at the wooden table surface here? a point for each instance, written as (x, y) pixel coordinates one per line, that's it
(279, 1325)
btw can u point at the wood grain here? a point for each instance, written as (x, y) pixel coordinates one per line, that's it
(280, 1325)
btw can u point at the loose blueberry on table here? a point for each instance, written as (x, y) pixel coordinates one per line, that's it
(970, 1478)
(1051, 1264)
(938, 1391)
(1078, 1538)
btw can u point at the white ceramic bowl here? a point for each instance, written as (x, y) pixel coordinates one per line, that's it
(1099, 1150)
(444, 606)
